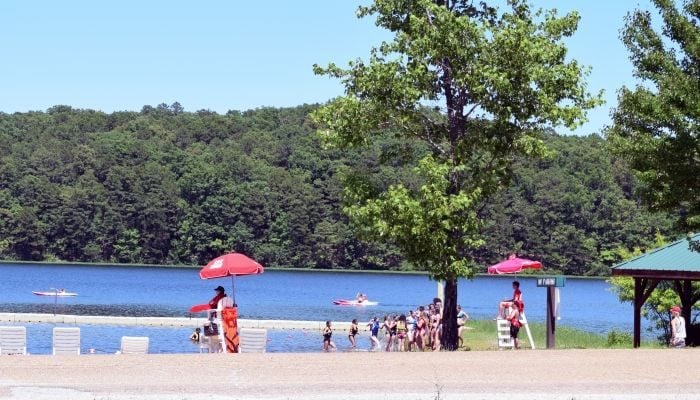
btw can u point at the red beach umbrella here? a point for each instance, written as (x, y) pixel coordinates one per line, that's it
(513, 265)
(231, 264)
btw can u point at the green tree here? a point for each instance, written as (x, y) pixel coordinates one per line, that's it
(127, 248)
(656, 124)
(168, 186)
(476, 85)
(570, 210)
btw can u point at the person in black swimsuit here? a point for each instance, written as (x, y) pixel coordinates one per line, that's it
(327, 333)
(196, 335)
(353, 331)
(390, 327)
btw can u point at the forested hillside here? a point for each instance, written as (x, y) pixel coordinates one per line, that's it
(166, 186)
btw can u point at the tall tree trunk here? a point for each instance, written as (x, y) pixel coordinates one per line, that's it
(449, 339)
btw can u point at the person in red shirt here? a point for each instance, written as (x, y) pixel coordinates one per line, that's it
(220, 294)
(517, 297)
(514, 319)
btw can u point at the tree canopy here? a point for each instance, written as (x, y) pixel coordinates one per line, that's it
(160, 187)
(656, 124)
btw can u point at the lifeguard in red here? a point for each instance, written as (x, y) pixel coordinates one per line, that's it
(517, 300)
(220, 294)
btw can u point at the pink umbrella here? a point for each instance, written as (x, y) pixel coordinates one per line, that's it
(231, 264)
(513, 265)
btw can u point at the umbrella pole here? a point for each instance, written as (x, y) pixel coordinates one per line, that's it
(233, 289)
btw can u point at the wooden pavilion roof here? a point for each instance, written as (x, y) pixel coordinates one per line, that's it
(674, 261)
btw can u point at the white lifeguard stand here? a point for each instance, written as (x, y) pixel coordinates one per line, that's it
(216, 343)
(503, 331)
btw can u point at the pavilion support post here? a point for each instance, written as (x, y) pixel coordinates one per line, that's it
(687, 300)
(638, 290)
(642, 290)
(685, 292)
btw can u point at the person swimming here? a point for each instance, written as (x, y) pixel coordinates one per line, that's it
(196, 335)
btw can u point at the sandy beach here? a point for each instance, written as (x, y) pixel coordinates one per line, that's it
(540, 374)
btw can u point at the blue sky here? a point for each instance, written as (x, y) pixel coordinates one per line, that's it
(228, 55)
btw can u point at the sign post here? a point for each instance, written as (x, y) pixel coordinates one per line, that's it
(551, 283)
(441, 291)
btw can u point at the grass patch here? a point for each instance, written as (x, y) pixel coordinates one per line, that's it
(482, 336)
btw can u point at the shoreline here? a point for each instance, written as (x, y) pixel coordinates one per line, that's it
(281, 269)
(543, 374)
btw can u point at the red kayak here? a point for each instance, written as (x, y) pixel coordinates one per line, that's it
(343, 302)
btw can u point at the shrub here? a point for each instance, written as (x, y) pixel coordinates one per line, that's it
(619, 338)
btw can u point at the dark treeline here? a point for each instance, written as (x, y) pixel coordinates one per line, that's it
(164, 186)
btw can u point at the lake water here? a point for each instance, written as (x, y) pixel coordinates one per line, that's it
(297, 295)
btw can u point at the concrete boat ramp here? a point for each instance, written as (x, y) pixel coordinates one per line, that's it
(174, 322)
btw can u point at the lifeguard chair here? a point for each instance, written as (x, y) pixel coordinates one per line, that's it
(503, 331)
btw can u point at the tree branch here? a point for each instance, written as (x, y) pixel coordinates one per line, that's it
(471, 110)
(432, 144)
(426, 135)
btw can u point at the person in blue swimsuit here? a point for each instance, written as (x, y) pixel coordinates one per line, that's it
(374, 329)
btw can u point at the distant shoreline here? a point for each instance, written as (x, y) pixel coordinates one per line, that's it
(357, 271)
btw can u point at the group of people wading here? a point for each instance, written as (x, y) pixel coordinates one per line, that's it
(417, 330)
(421, 329)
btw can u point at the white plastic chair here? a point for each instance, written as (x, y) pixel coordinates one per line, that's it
(13, 340)
(134, 345)
(66, 341)
(252, 340)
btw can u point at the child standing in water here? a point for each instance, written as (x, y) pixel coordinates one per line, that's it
(353, 331)
(327, 333)
(374, 328)
(196, 336)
